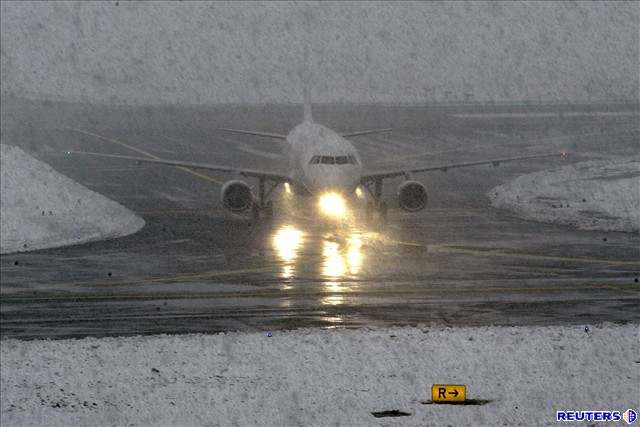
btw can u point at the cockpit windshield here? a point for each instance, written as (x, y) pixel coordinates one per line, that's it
(327, 160)
(333, 160)
(342, 160)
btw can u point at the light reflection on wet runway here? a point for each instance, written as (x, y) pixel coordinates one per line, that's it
(287, 241)
(341, 257)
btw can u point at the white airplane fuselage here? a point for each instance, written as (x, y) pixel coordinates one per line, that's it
(321, 160)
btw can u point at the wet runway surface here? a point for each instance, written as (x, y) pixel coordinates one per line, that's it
(194, 268)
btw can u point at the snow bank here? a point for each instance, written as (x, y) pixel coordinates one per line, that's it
(594, 195)
(41, 208)
(320, 377)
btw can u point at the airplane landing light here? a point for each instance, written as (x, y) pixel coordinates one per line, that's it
(332, 205)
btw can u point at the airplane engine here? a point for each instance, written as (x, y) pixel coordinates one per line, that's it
(236, 196)
(412, 196)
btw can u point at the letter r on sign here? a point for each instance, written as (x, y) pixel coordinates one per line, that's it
(442, 393)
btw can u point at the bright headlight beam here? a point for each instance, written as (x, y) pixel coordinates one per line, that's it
(359, 193)
(332, 205)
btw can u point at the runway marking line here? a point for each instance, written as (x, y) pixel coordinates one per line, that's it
(489, 252)
(170, 279)
(278, 293)
(548, 114)
(145, 153)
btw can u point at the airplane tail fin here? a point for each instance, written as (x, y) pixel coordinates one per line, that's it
(306, 85)
(307, 105)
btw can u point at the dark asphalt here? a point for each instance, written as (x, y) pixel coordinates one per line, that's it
(194, 268)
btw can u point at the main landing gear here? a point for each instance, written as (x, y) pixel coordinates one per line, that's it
(377, 206)
(380, 209)
(263, 207)
(265, 211)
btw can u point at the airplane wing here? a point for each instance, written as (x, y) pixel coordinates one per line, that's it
(280, 136)
(250, 132)
(364, 132)
(273, 176)
(444, 167)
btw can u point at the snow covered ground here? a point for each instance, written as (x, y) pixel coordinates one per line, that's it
(321, 377)
(593, 195)
(41, 208)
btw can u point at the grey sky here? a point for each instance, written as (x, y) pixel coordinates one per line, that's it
(362, 52)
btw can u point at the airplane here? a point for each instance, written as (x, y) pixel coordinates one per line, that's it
(322, 164)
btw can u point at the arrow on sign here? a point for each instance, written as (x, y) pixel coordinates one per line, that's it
(446, 393)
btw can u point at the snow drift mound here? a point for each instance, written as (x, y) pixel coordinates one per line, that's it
(40, 208)
(594, 195)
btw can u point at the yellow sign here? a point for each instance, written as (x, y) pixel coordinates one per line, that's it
(448, 393)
